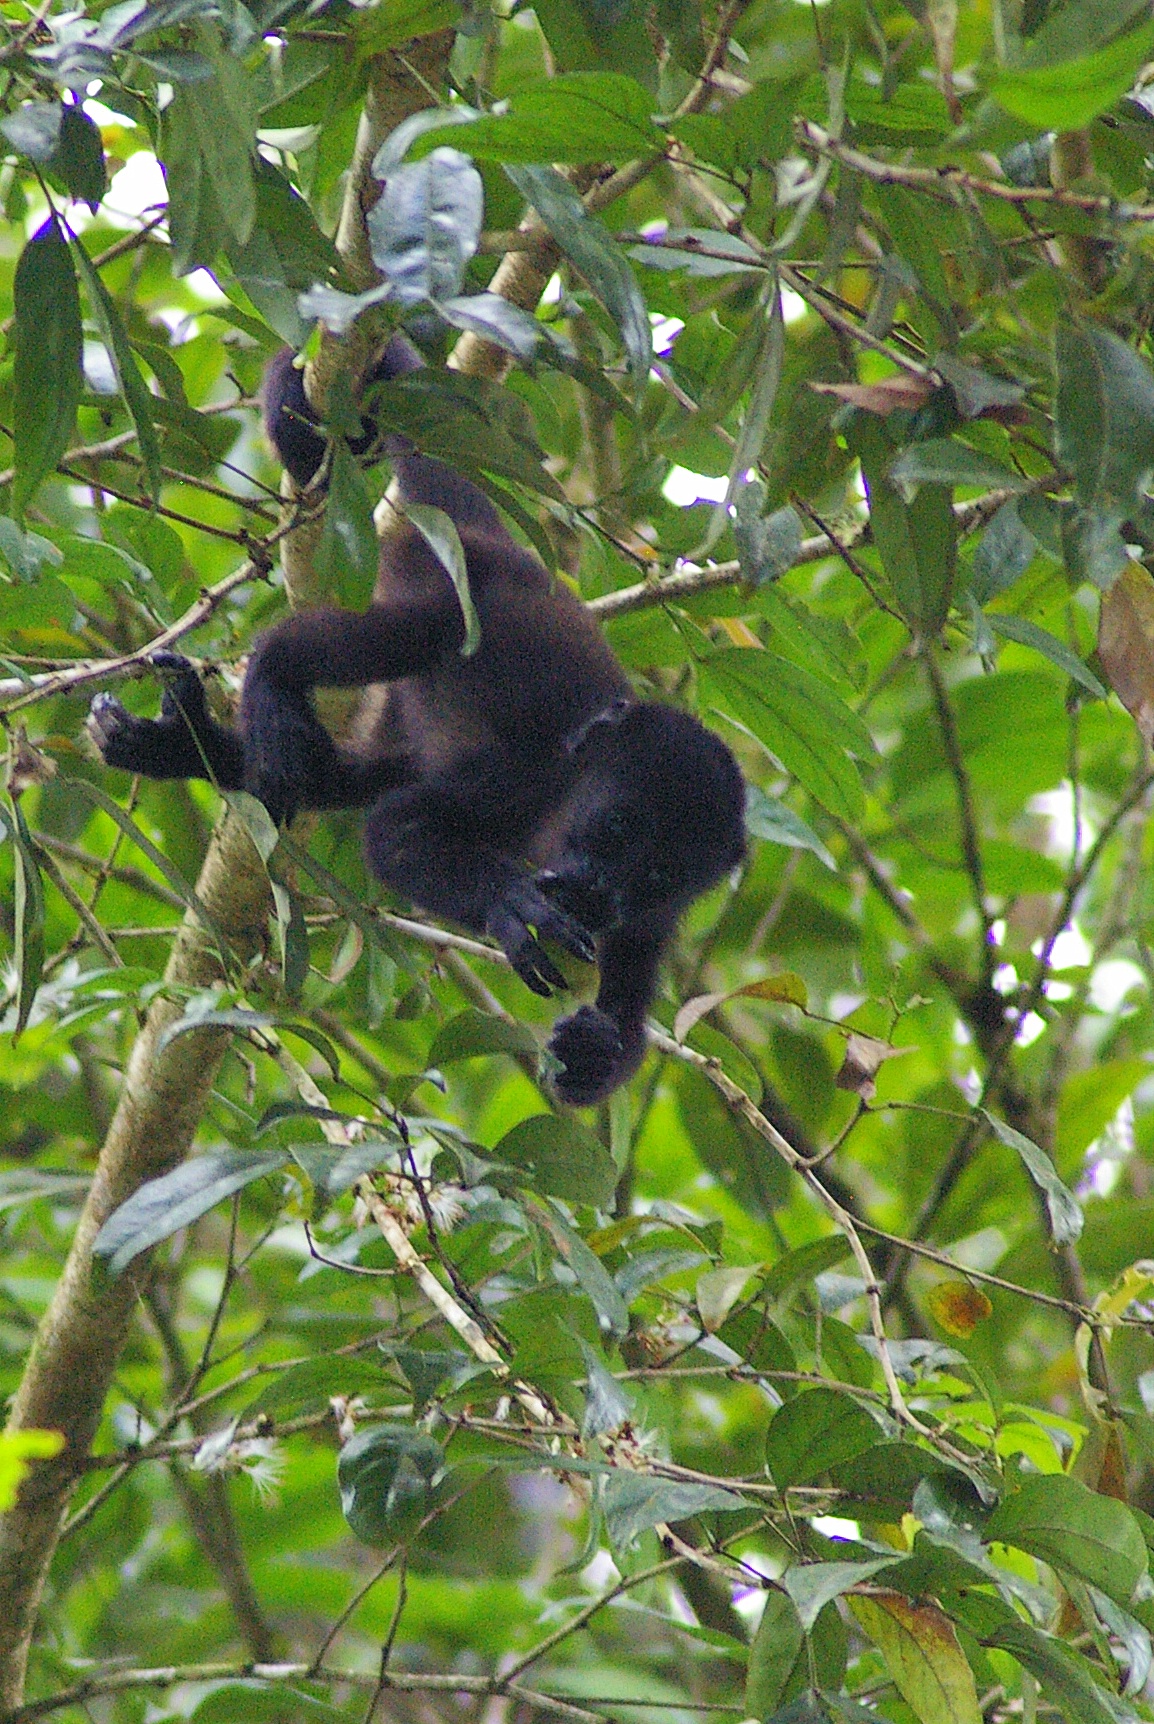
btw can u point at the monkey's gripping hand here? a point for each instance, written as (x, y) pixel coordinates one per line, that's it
(520, 920)
(184, 742)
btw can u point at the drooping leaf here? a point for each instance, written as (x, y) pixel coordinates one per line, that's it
(440, 534)
(1065, 1212)
(773, 1656)
(1094, 1537)
(163, 1206)
(559, 1158)
(132, 385)
(767, 817)
(28, 913)
(634, 1502)
(799, 718)
(48, 376)
(920, 1646)
(596, 254)
(1104, 415)
(387, 1476)
(424, 227)
(1029, 634)
(917, 541)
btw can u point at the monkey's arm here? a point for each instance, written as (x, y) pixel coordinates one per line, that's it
(184, 742)
(600, 1046)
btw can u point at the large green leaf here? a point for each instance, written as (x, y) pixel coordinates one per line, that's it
(799, 718)
(1069, 93)
(1075, 1529)
(559, 1158)
(575, 117)
(814, 1432)
(596, 254)
(47, 376)
(163, 1206)
(917, 541)
(1104, 415)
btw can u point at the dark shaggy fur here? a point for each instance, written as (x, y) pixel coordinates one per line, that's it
(523, 791)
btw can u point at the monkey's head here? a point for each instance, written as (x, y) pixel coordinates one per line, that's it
(658, 818)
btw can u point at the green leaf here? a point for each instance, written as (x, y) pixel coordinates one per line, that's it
(218, 122)
(1069, 94)
(424, 227)
(920, 1646)
(575, 117)
(79, 158)
(1005, 551)
(440, 534)
(1029, 634)
(559, 1158)
(798, 717)
(285, 253)
(34, 129)
(945, 461)
(48, 373)
(1073, 1528)
(909, 219)
(1104, 416)
(634, 1502)
(1065, 1212)
(767, 545)
(349, 550)
(590, 1273)
(163, 1206)
(387, 1475)
(497, 320)
(132, 385)
(916, 541)
(812, 1585)
(596, 254)
(1065, 1678)
(815, 1431)
(767, 817)
(472, 1034)
(773, 1656)
(28, 914)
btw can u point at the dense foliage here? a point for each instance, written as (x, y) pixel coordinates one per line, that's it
(809, 1379)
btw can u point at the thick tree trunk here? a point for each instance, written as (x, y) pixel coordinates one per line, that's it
(72, 1362)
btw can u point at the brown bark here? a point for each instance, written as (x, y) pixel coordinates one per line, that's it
(165, 1090)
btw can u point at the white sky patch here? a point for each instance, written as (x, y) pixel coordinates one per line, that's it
(833, 1526)
(683, 487)
(665, 331)
(1057, 806)
(138, 189)
(793, 306)
(1029, 1030)
(1112, 981)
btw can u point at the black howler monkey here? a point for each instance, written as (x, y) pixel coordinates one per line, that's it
(524, 791)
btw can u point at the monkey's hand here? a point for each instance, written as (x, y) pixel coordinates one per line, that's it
(520, 920)
(590, 1047)
(184, 742)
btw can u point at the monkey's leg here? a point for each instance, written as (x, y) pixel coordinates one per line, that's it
(423, 841)
(290, 760)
